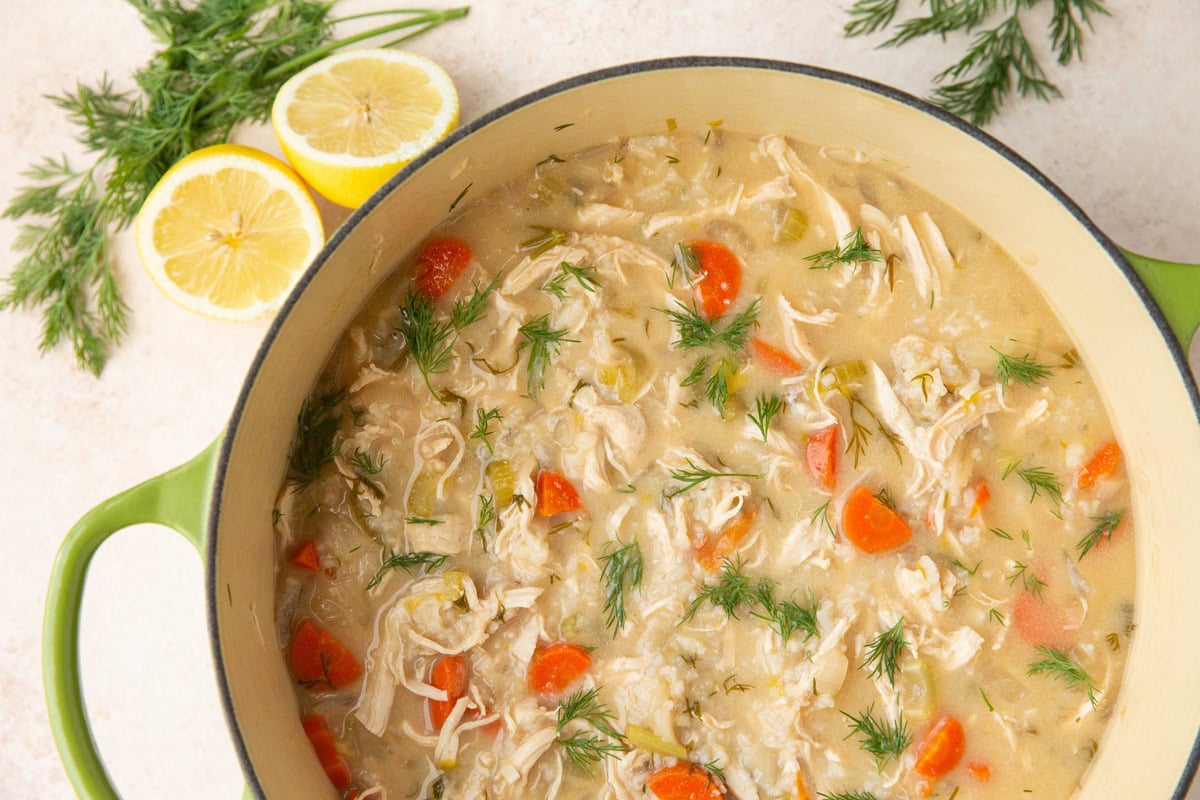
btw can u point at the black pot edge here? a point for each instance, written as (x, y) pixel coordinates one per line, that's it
(678, 62)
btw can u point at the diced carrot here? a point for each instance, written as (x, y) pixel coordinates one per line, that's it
(319, 734)
(439, 264)
(982, 495)
(941, 749)
(801, 789)
(1041, 623)
(979, 770)
(555, 494)
(821, 453)
(722, 277)
(870, 525)
(715, 548)
(320, 660)
(554, 668)
(450, 674)
(306, 556)
(683, 782)
(775, 359)
(1104, 462)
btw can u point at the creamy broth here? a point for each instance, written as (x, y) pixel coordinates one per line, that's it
(728, 466)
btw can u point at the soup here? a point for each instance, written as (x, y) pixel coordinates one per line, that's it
(705, 465)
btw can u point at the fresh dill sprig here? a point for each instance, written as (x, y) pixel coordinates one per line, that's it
(222, 63)
(1032, 583)
(716, 388)
(1038, 479)
(543, 342)
(852, 250)
(1024, 370)
(884, 740)
(424, 521)
(998, 59)
(430, 340)
(469, 309)
(1060, 665)
(861, 794)
(692, 330)
(822, 513)
(364, 466)
(586, 750)
(622, 571)
(765, 409)
(545, 239)
(699, 370)
(684, 259)
(883, 652)
(585, 276)
(788, 616)
(314, 447)
(421, 560)
(731, 591)
(585, 706)
(483, 420)
(1106, 524)
(485, 517)
(694, 475)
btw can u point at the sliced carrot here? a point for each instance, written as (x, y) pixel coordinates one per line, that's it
(1104, 462)
(979, 770)
(715, 548)
(554, 668)
(320, 660)
(450, 674)
(439, 264)
(319, 734)
(555, 494)
(941, 749)
(721, 280)
(1041, 623)
(982, 495)
(870, 525)
(306, 556)
(775, 359)
(683, 782)
(801, 789)
(821, 454)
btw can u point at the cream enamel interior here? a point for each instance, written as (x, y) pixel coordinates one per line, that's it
(1155, 723)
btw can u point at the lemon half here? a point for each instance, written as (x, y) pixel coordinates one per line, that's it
(352, 120)
(227, 231)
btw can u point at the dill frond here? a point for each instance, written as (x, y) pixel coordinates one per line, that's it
(622, 571)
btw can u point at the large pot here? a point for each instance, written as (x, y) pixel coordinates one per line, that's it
(222, 499)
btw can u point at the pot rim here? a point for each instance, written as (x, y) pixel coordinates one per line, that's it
(651, 65)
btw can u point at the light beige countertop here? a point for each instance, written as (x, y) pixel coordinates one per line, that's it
(1124, 142)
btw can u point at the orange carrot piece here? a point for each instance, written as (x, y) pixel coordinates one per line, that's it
(982, 495)
(306, 556)
(721, 280)
(1104, 462)
(775, 359)
(683, 782)
(821, 453)
(979, 770)
(941, 749)
(439, 264)
(554, 668)
(715, 548)
(319, 734)
(320, 660)
(448, 673)
(801, 789)
(870, 525)
(555, 494)
(1040, 623)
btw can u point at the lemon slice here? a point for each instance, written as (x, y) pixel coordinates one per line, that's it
(227, 231)
(352, 120)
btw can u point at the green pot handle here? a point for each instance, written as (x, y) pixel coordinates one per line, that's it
(1176, 289)
(177, 499)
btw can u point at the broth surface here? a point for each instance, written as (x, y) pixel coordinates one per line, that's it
(727, 465)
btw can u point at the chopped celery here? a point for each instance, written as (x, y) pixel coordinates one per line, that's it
(422, 494)
(623, 378)
(638, 736)
(503, 482)
(918, 690)
(793, 227)
(843, 375)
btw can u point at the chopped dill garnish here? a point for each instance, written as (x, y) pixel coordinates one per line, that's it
(1022, 370)
(364, 466)
(862, 794)
(860, 434)
(852, 250)
(731, 685)
(1001, 534)
(717, 385)
(788, 616)
(585, 750)
(551, 159)
(693, 331)
(421, 560)
(424, 521)
(546, 238)
(585, 276)
(1059, 665)
(313, 447)
(430, 340)
(585, 706)
(883, 652)
(1038, 479)
(694, 475)
(483, 420)
(765, 408)
(563, 126)
(986, 702)
(998, 616)
(470, 309)
(882, 739)
(485, 517)
(684, 259)
(622, 571)
(699, 370)
(731, 591)
(884, 496)
(454, 203)
(543, 342)
(1106, 524)
(1032, 583)
(822, 513)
